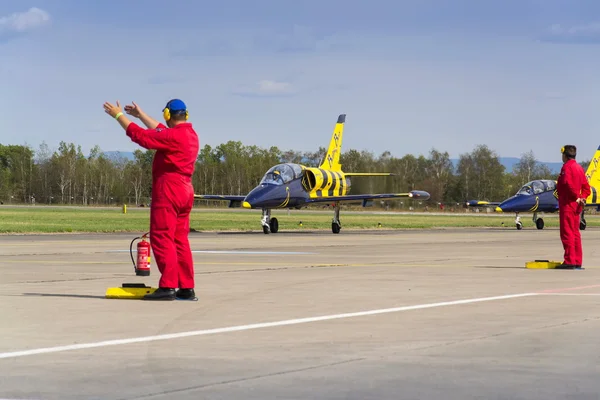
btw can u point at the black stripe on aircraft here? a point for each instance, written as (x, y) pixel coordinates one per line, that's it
(329, 180)
(325, 178)
(338, 181)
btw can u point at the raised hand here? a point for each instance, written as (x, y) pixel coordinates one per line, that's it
(133, 109)
(111, 109)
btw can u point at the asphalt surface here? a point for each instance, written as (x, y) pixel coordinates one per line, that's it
(450, 314)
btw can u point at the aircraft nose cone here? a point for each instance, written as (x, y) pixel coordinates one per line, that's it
(266, 196)
(245, 204)
(498, 209)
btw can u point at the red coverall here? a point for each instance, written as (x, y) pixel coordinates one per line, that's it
(571, 185)
(172, 199)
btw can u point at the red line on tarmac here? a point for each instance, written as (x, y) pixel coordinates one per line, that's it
(569, 289)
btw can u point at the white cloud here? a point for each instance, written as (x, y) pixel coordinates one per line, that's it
(273, 87)
(21, 22)
(577, 29)
(267, 87)
(588, 33)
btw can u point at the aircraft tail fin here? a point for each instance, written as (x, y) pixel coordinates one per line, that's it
(593, 176)
(593, 172)
(332, 157)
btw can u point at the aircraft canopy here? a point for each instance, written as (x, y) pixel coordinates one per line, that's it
(282, 173)
(537, 187)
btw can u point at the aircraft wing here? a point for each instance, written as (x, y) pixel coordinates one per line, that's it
(481, 203)
(415, 194)
(234, 201)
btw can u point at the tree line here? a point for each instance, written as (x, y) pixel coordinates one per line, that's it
(68, 176)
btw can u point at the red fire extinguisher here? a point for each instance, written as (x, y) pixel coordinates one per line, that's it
(142, 267)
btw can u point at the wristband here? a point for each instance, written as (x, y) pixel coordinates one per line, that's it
(118, 115)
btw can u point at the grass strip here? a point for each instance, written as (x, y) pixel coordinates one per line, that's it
(95, 220)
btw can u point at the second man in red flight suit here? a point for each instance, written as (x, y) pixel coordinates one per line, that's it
(573, 189)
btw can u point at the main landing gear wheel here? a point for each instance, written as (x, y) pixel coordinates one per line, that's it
(582, 221)
(274, 225)
(539, 223)
(336, 225)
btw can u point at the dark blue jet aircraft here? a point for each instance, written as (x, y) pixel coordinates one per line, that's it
(540, 196)
(537, 196)
(290, 185)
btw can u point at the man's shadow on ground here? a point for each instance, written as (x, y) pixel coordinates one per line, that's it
(78, 296)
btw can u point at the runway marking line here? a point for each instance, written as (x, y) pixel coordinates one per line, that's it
(257, 252)
(238, 328)
(129, 263)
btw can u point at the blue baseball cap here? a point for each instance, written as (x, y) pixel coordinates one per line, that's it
(176, 105)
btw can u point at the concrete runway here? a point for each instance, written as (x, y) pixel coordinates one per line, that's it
(438, 314)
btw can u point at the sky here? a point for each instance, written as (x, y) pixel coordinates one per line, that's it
(411, 75)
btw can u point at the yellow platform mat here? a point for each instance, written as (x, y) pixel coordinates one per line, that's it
(542, 264)
(129, 291)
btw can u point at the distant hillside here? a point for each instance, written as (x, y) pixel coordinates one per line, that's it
(508, 162)
(126, 154)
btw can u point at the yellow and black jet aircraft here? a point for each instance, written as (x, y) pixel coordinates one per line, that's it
(289, 185)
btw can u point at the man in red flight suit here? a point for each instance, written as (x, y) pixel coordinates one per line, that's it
(573, 188)
(174, 162)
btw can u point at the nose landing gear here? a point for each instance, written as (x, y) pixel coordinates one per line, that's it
(269, 225)
(539, 222)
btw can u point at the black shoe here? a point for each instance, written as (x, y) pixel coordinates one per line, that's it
(185, 294)
(161, 294)
(566, 266)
